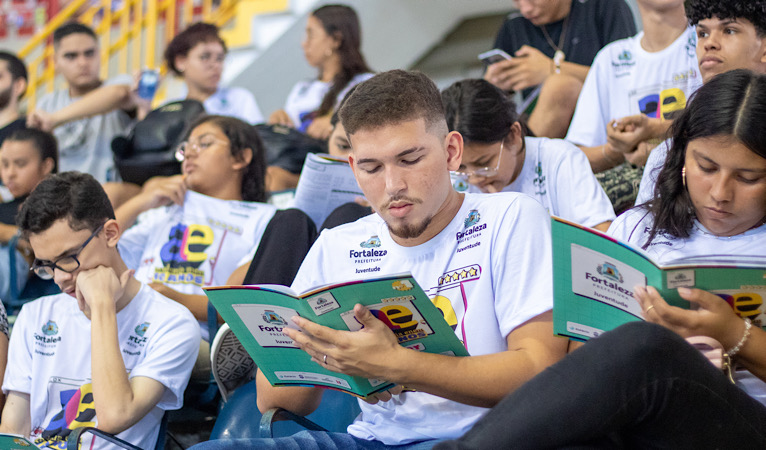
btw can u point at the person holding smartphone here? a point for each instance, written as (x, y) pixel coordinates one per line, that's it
(553, 43)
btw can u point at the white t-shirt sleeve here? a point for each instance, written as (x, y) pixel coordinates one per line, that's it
(522, 264)
(588, 126)
(170, 356)
(632, 226)
(651, 172)
(18, 371)
(581, 198)
(311, 273)
(135, 239)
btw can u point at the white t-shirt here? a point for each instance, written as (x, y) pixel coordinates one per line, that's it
(557, 174)
(625, 80)
(634, 226)
(651, 171)
(307, 95)
(49, 358)
(194, 245)
(488, 270)
(230, 101)
(85, 145)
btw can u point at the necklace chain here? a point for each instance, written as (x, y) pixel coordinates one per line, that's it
(560, 47)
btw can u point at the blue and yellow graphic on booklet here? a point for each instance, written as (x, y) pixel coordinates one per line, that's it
(594, 276)
(257, 315)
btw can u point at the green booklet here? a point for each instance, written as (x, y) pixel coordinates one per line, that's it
(257, 315)
(15, 442)
(594, 276)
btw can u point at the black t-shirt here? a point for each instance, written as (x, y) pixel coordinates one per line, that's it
(7, 130)
(592, 25)
(9, 210)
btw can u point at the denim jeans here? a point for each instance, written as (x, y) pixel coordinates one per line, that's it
(309, 440)
(638, 386)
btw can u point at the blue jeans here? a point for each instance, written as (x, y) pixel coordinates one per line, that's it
(638, 386)
(309, 440)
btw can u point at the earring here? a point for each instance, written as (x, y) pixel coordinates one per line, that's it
(683, 175)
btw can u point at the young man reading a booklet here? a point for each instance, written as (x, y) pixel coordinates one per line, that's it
(108, 351)
(484, 259)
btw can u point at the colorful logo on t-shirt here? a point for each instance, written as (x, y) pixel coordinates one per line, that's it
(664, 104)
(50, 328)
(77, 410)
(183, 254)
(625, 56)
(745, 304)
(472, 219)
(609, 270)
(141, 329)
(372, 242)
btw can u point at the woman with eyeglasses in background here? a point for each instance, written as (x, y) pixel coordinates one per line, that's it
(199, 227)
(498, 157)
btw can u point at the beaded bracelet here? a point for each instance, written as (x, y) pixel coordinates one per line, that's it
(741, 343)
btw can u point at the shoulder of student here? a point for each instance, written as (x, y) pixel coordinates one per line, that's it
(632, 226)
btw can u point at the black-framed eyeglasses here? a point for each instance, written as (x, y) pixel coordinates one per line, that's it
(68, 263)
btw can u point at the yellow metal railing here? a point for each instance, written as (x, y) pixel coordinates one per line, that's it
(131, 33)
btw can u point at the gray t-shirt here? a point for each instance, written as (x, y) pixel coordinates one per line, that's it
(85, 145)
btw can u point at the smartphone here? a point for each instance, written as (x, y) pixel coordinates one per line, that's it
(493, 56)
(147, 84)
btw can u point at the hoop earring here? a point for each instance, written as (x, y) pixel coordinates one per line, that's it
(683, 176)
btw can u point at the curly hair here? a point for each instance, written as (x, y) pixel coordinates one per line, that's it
(186, 40)
(752, 10)
(74, 196)
(733, 104)
(242, 135)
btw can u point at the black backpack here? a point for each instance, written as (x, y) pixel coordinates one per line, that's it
(149, 150)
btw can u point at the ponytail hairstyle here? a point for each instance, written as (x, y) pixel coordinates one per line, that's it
(479, 111)
(731, 105)
(342, 23)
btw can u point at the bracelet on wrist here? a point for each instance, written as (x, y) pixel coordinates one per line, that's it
(733, 352)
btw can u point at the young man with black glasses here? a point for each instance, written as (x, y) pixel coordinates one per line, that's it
(118, 356)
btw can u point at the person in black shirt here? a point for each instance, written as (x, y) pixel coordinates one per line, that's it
(553, 43)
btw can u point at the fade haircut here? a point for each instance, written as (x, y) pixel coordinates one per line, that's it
(44, 143)
(391, 98)
(16, 67)
(74, 196)
(72, 28)
(753, 11)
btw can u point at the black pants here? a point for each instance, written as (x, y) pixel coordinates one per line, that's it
(638, 386)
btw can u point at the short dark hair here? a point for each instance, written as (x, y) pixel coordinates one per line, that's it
(74, 196)
(752, 10)
(72, 28)
(732, 104)
(335, 117)
(479, 110)
(242, 135)
(44, 142)
(16, 67)
(188, 39)
(391, 98)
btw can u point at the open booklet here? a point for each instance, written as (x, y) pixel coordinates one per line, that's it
(594, 276)
(257, 315)
(326, 182)
(15, 442)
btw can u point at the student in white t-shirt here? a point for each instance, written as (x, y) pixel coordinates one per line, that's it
(197, 55)
(730, 35)
(484, 260)
(108, 352)
(200, 228)
(635, 86)
(642, 385)
(498, 157)
(332, 45)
